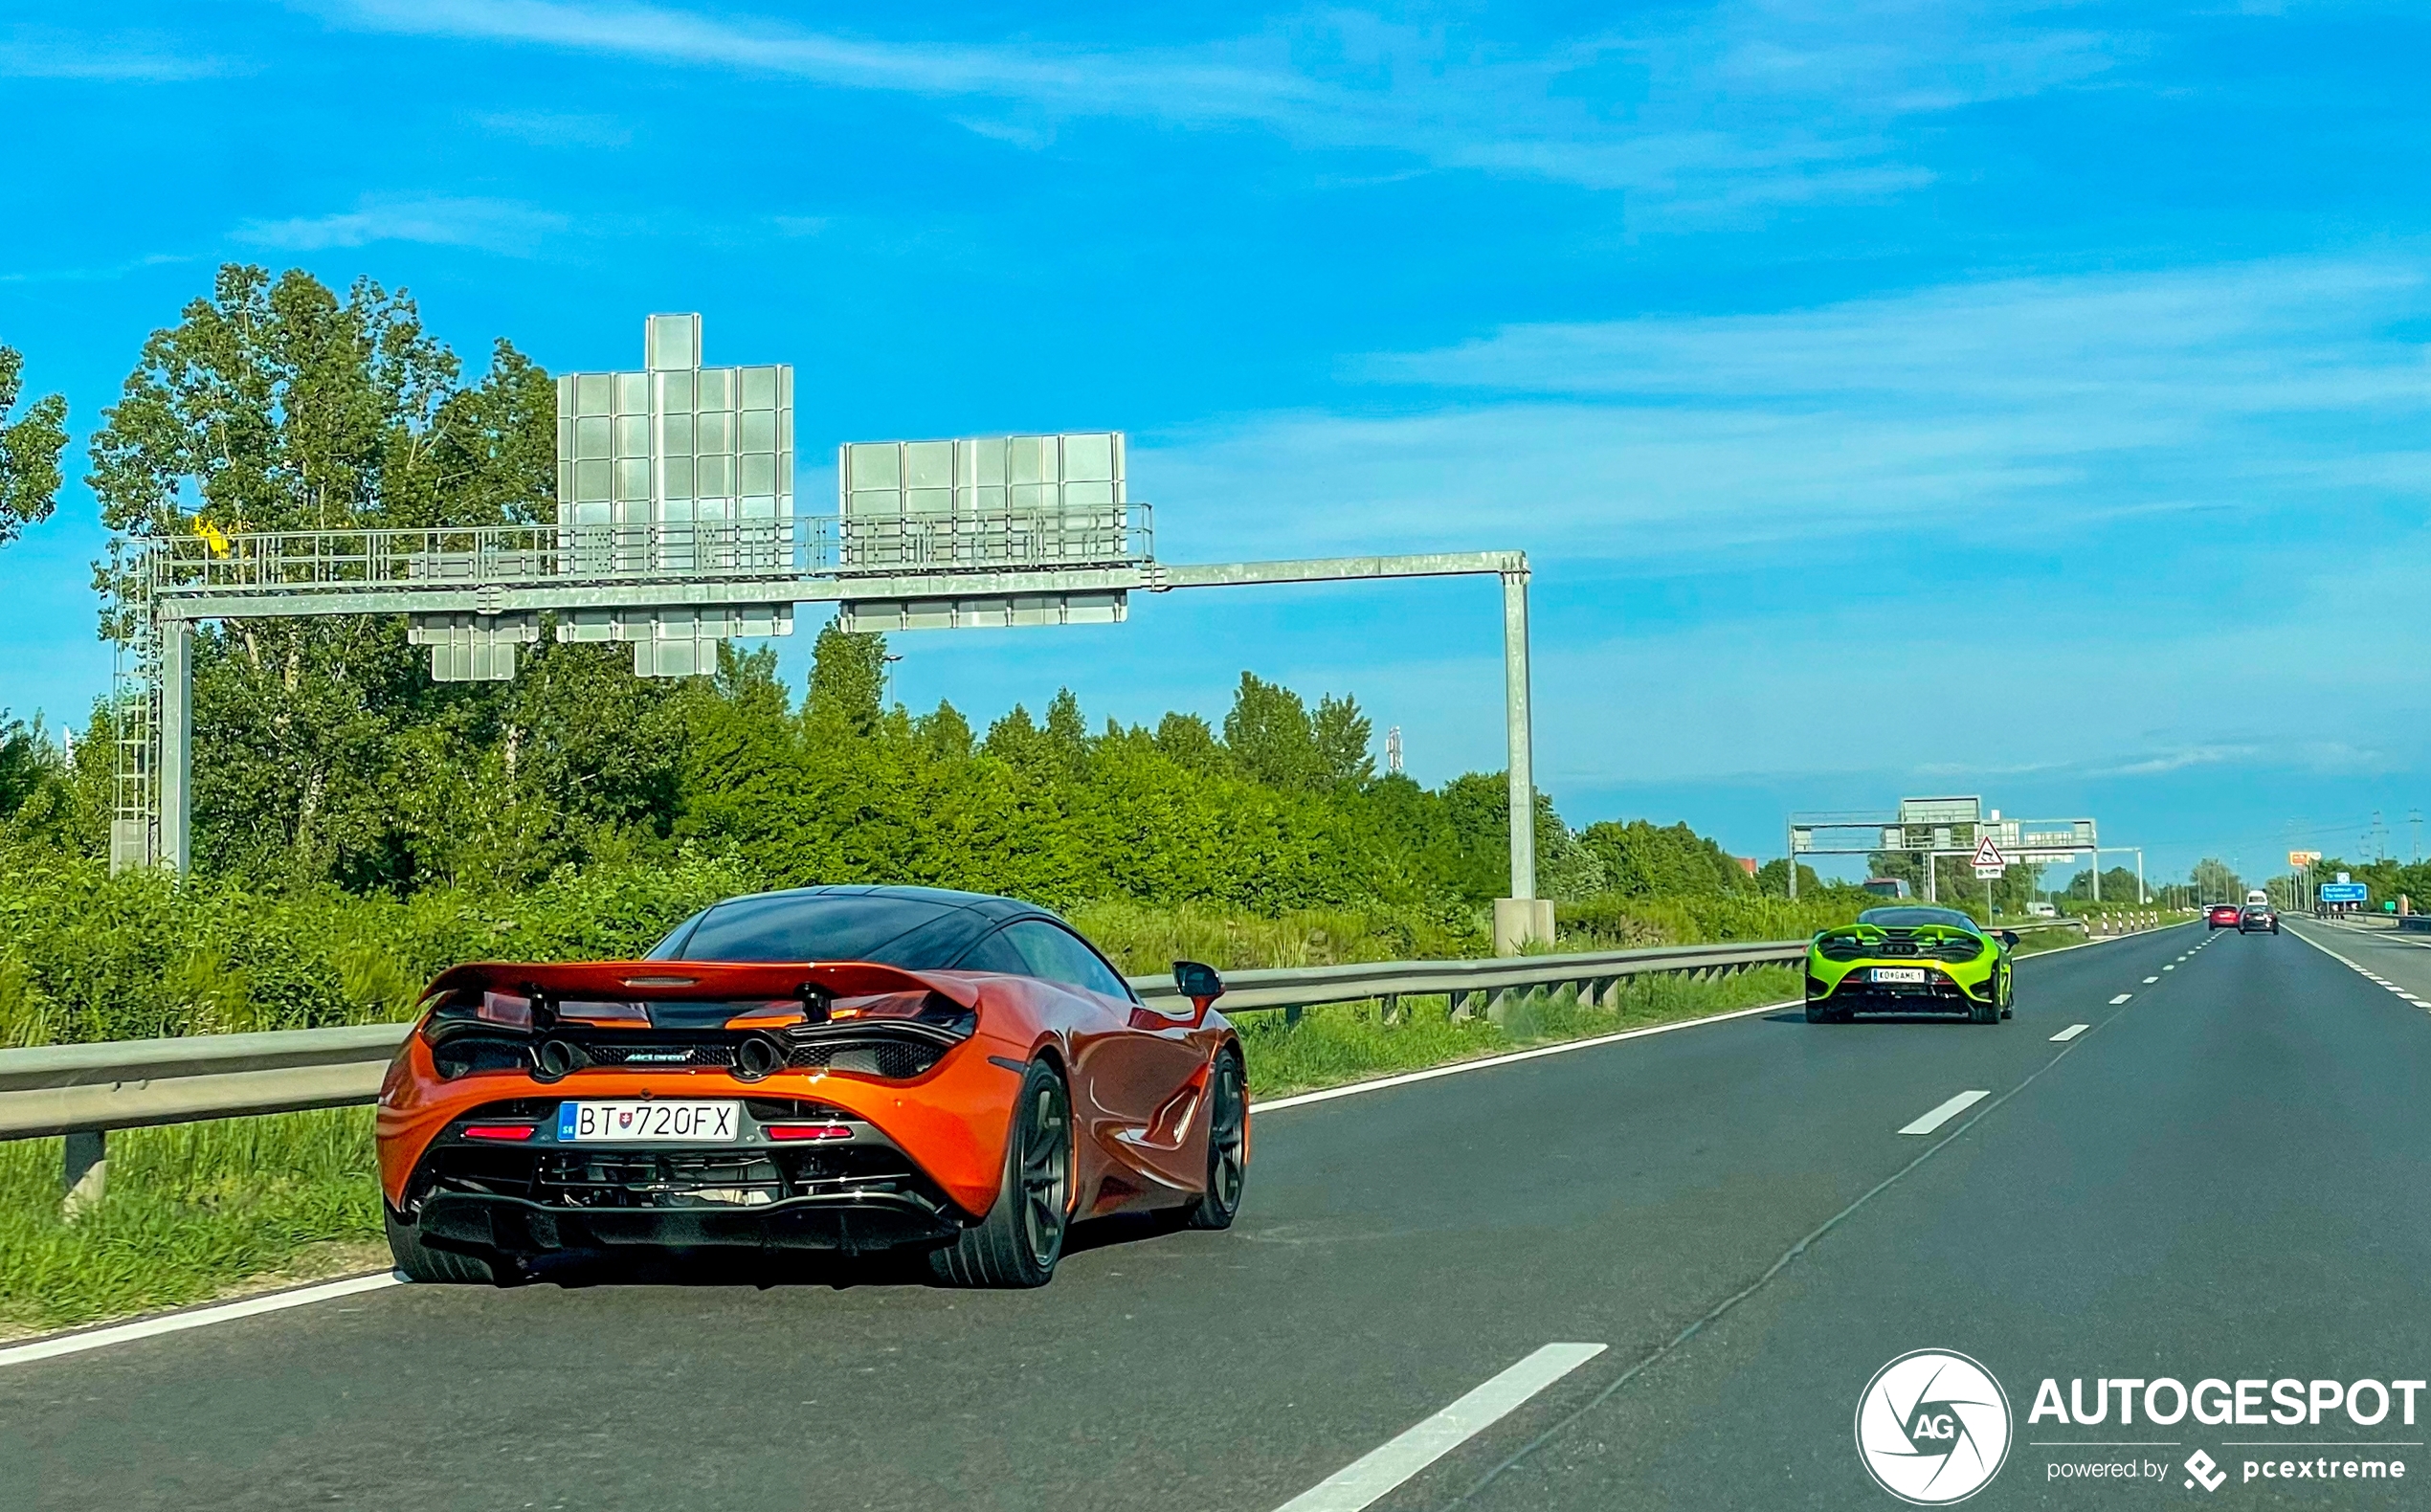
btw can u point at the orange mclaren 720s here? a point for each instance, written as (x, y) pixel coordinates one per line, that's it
(837, 1068)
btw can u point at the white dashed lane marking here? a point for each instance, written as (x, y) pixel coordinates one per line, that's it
(1945, 1112)
(2069, 1033)
(2150, 979)
(1367, 1479)
(2121, 998)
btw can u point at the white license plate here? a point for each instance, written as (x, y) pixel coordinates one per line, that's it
(1900, 973)
(658, 1121)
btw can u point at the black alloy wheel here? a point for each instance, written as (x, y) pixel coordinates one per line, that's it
(1020, 1240)
(1227, 1144)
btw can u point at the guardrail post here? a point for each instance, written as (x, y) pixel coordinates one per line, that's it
(1390, 1005)
(87, 1171)
(1292, 1015)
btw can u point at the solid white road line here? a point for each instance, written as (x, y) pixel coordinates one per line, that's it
(2069, 1033)
(1365, 1479)
(199, 1318)
(2121, 998)
(1945, 1112)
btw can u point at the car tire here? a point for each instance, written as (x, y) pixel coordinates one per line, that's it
(1018, 1242)
(1986, 1013)
(1820, 1012)
(430, 1265)
(1227, 1145)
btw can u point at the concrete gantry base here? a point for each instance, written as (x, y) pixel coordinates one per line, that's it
(1519, 922)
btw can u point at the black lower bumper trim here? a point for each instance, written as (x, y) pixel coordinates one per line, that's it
(842, 1221)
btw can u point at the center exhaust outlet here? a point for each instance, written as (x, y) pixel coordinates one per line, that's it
(756, 1057)
(555, 1058)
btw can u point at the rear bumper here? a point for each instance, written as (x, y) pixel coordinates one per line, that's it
(949, 1124)
(1939, 992)
(515, 1225)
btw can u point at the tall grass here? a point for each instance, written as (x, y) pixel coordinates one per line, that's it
(189, 1209)
(1611, 922)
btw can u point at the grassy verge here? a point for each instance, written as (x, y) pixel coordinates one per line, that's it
(1342, 1042)
(192, 1209)
(197, 1210)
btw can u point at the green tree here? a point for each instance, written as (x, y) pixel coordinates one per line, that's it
(25, 763)
(1189, 741)
(848, 683)
(275, 406)
(2118, 885)
(30, 448)
(2215, 883)
(1269, 732)
(1644, 860)
(945, 733)
(1342, 735)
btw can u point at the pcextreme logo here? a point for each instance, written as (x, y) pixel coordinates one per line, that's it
(1933, 1427)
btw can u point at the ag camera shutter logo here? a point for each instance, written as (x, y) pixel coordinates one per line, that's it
(1933, 1427)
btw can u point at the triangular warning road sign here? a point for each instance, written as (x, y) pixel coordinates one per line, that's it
(1988, 856)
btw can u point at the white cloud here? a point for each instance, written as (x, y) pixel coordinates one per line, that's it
(2006, 403)
(1722, 113)
(492, 224)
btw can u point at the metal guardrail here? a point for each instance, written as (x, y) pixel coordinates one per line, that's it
(84, 1089)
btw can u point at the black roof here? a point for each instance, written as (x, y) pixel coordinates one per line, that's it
(990, 905)
(919, 928)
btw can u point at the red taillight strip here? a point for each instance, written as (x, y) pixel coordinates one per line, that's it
(500, 1132)
(785, 1132)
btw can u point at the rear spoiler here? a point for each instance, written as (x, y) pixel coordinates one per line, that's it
(695, 981)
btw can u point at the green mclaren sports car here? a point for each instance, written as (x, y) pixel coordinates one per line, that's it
(1909, 960)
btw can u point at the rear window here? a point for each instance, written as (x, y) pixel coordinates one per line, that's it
(1916, 918)
(915, 933)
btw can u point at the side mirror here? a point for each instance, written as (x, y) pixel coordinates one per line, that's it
(1197, 982)
(2009, 938)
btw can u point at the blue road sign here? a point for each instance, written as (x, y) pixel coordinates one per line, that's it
(2344, 892)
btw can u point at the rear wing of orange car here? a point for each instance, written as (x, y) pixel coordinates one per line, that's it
(608, 983)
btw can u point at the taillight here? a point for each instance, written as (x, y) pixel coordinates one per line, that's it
(786, 1133)
(511, 1132)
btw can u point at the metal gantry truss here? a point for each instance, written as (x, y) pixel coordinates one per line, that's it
(491, 585)
(1917, 827)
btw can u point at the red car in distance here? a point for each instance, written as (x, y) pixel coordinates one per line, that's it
(2224, 916)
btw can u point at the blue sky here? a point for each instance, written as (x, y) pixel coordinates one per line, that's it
(2017, 399)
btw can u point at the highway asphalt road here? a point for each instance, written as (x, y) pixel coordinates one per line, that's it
(2222, 1176)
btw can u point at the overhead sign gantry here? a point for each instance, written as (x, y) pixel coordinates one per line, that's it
(1931, 828)
(677, 528)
